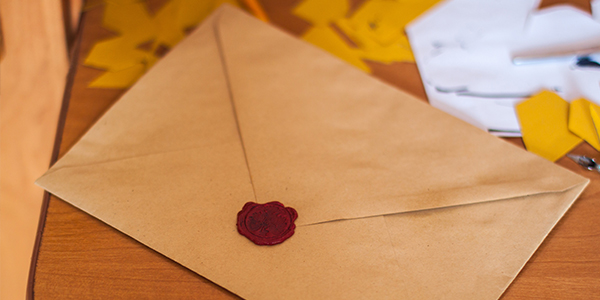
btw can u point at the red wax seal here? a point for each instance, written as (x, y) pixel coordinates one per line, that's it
(266, 224)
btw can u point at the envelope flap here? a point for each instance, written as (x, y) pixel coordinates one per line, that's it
(161, 116)
(172, 136)
(336, 143)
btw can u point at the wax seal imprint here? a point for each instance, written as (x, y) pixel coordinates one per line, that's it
(266, 224)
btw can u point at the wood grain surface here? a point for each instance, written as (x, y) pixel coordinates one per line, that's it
(79, 257)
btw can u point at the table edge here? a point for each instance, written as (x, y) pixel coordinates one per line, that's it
(73, 63)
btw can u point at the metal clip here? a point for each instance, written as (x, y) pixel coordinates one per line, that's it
(586, 162)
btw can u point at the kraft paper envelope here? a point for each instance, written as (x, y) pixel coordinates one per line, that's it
(395, 198)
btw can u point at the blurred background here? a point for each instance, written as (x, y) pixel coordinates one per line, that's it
(32, 77)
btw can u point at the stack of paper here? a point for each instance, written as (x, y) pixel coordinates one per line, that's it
(468, 53)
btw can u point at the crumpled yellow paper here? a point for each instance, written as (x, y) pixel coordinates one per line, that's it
(376, 28)
(544, 118)
(123, 57)
(328, 40)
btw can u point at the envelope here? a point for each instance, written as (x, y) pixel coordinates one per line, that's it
(395, 199)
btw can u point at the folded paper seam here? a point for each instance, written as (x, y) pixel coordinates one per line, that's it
(231, 98)
(576, 185)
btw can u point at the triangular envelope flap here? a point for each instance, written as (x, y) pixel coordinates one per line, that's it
(171, 137)
(473, 251)
(335, 143)
(177, 107)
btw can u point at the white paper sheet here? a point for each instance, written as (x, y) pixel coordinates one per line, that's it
(464, 50)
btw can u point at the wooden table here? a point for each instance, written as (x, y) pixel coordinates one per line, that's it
(79, 257)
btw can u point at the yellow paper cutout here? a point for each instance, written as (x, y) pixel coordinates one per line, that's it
(581, 121)
(377, 20)
(326, 38)
(129, 18)
(544, 125)
(169, 31)
(121, 56)
(321, 13)
(377, 27)
(120, 79)
(595, 118)
(398, 51)
(103, 55)
(383, 21)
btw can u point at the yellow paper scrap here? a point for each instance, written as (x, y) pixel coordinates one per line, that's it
(377, 20)
(168, 31)
(398, 51)
(131, 19)
(544, 125)
(581, 121)
(383, 21)
(122, 57)
(376, 28)
(326, 38)
(120, 79)
(321, 13)
(103, 54)
(594, 109)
